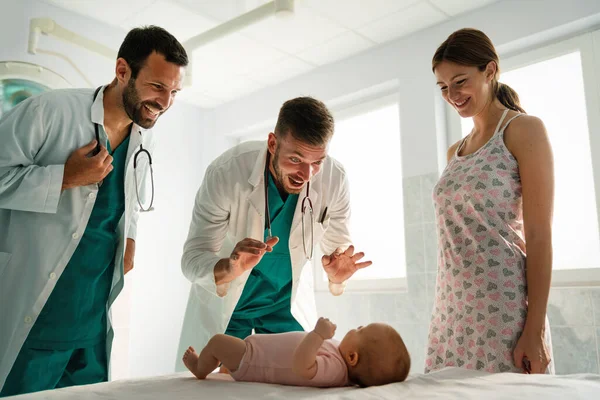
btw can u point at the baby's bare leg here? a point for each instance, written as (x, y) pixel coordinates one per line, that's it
(224, 349)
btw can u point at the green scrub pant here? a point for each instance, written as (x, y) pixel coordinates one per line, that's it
(37, 369)
(277, 322)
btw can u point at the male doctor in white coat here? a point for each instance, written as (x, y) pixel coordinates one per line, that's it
(68, 212)
(259, 212)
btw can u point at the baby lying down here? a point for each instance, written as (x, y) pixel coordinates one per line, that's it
(367, 356)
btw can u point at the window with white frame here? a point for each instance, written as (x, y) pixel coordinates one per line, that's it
(367, 143)
(552, 84)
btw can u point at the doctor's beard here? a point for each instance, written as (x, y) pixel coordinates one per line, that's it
(280, 178)
(133, 106)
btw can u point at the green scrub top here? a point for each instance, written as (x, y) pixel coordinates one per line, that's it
(75, 314)
(269, 286)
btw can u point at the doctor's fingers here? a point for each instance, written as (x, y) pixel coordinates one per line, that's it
(357, 256)
(102, 153)
(105, 166)
(363, 264)
(100, 161)
(107, 170)
(85, 150)
(349, 251)
(107, 161)
(249, 242)
(272, 242)
(249, 250)
(103, 156)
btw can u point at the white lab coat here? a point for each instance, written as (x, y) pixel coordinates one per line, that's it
(40, 226)
(229, 207)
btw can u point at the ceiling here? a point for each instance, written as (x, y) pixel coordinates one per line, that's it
(272, 50)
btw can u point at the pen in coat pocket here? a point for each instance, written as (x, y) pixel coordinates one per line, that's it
(322, 219)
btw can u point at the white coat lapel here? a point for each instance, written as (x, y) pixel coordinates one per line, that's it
(256, 200)
(135, 139)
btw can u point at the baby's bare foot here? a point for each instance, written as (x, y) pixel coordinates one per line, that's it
(190, 359)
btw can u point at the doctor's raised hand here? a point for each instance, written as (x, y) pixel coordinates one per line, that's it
(341, 265)
(245, 255)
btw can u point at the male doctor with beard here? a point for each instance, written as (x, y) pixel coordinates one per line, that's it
(259, 212)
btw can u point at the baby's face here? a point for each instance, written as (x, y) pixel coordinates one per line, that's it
(356, 338)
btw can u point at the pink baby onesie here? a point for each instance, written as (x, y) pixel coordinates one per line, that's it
(268, 359)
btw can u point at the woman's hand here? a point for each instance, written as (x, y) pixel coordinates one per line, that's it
(531, 353)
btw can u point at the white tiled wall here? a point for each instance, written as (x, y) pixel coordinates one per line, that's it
(574, 314)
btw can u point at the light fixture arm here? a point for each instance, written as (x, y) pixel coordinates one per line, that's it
(281, 8)
(49, 27)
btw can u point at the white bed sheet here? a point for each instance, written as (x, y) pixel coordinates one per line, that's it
(449, 383)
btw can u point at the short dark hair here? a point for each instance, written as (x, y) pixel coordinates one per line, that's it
(141, 42)
(307, 119)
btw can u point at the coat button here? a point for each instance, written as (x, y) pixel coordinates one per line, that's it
(52, 275)
(92, 195)
(75, 236)
(28, 320)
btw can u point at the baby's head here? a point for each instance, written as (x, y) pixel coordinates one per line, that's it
(375, 355)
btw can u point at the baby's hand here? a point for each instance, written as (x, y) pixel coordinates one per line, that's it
(325, 328)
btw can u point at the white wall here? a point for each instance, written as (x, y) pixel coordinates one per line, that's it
(150, 311)
(14, 34)
(510, 24)
(160, 291)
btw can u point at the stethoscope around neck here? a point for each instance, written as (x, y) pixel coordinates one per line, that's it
(141, 150)
(305, 206)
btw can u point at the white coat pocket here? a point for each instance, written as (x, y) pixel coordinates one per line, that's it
(320, 228)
